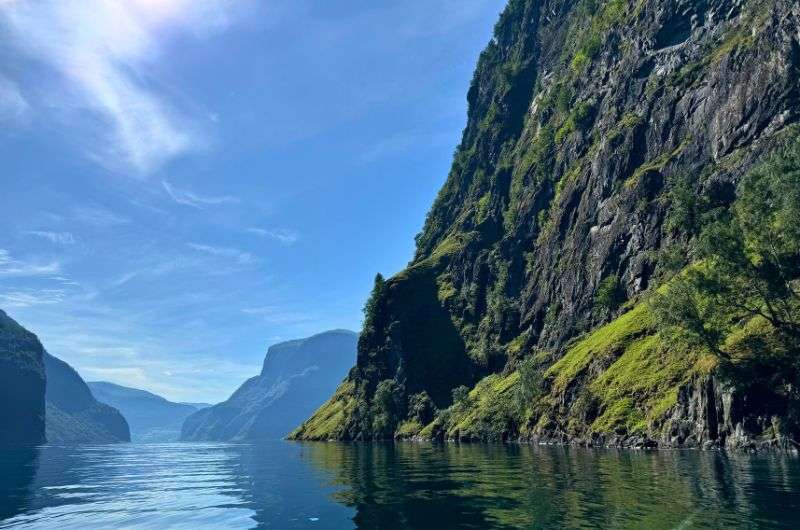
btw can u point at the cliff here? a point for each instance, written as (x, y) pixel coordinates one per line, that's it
(73, 414)
(603, 141)
(22, 385)
(297, 377)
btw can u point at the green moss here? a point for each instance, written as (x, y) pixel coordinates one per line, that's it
(656, 164)
(482, 211)
(602, 342)
(483, 415)
(577, 120)
(329, 420)
(590, 37)
(515, 347)
(446, 288)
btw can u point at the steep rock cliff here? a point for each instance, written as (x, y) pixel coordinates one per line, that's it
(559, 213)
(22, 385)
(297, 377)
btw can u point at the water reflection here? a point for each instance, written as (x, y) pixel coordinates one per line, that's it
(409, 486)
(17, 470)
(473, 486)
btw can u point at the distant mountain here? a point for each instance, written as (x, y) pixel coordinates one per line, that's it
(198, 406)
(22, 385)
(151, 417)
(297, 377)
(73, 414)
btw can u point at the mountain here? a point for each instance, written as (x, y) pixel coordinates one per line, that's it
(197, 406)
(297, 377)
(613, 258)
(152, 418)
(73, 414)
(22, 385)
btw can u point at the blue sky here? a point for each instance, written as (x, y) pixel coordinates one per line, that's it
(186, 182)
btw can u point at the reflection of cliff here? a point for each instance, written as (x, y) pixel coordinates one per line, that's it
(414, 486)
(17, 470)
(276, 482)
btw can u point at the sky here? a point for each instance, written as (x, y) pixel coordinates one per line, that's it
(186, 182)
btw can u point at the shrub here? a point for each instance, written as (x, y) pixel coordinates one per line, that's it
(610, 294)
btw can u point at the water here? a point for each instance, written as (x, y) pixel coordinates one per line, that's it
(408, 486)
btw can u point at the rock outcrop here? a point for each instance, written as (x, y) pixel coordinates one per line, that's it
(297, 377)
(585, 120)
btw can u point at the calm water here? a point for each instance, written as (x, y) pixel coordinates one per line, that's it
(284, 485)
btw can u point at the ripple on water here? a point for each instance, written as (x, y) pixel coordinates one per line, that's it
(408, 486)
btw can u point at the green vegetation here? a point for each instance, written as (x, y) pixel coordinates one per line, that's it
(610, 294)
(747, 279)
(387, 408)
(328, 422)
(578, 119)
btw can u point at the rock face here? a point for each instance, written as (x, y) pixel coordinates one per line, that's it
(582, 117)
(297, 377)
(22, 385)
(152, 419)
(73, 414)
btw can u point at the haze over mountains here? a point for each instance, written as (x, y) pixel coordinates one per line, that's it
(46, 400)
(43, 399)
(297, 377)
(73, 414)
(152, 418)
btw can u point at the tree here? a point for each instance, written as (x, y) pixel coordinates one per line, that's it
(370, 308)
(386, 408)
(460, 396)
(421, 408)
(748, 263)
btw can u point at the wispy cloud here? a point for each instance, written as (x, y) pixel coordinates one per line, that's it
(241, 257)
(283, 235)
(62, 238)
(189, 198)
(14, 267)
(104, 50)
(30, 298)
(13, 105)
(97, 216)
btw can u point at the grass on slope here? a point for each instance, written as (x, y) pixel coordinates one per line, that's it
(329, 420)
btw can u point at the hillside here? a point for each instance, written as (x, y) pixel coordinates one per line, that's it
(608, 145)
(297, 377)
(22, 385)
(152, 418)
(73, 414)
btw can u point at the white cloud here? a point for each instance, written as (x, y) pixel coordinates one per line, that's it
(13, 267)
(97, 216)
(283, 235)
(62, 238)
(189, 198)
(243, 258)
(30, 298)
(105, 50)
